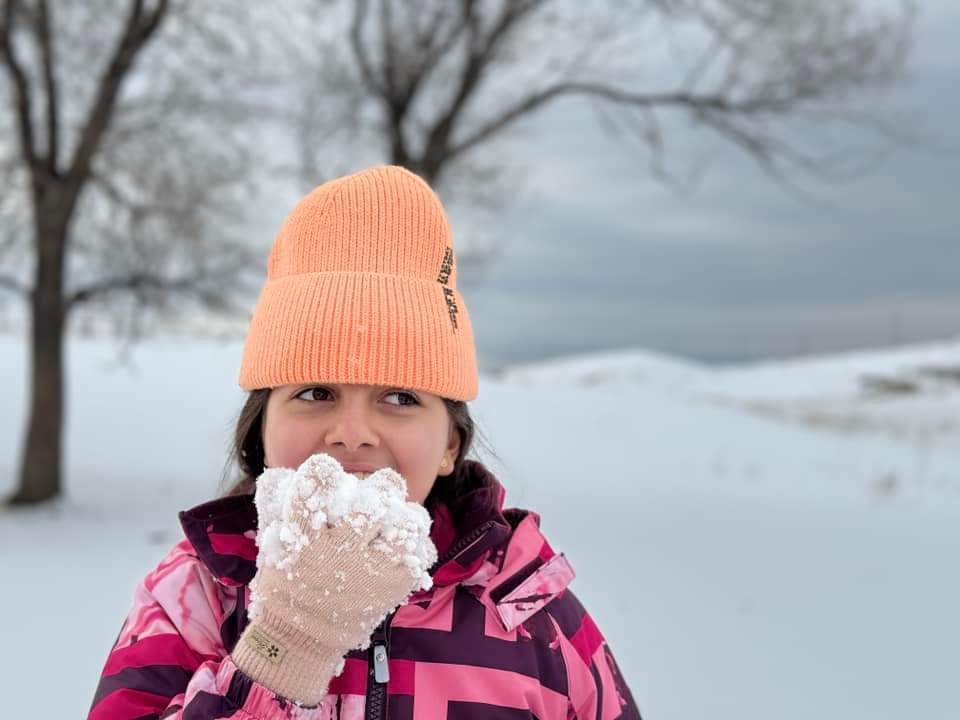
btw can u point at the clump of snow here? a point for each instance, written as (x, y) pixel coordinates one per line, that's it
(294, 506)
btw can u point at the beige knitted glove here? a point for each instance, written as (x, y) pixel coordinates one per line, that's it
(337, 554)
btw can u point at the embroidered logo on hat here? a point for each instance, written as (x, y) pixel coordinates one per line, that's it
(445, 268)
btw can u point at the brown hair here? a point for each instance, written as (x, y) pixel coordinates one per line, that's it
(247, 449)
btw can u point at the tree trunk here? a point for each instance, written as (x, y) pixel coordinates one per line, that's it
(41, 457)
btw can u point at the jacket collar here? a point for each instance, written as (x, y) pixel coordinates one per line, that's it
(223, 531)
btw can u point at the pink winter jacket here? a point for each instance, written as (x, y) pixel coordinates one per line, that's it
(498, 637)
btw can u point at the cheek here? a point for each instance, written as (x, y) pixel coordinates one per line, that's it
(287, 443)
(419, 486)
(418, 459)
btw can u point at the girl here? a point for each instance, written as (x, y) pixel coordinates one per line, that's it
(361, 351)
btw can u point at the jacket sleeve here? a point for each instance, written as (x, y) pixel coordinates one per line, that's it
(169, 660)
(595, 687)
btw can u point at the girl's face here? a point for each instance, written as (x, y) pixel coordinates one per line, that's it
(365, 427)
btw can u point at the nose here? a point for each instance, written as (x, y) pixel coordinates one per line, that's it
(350, 427)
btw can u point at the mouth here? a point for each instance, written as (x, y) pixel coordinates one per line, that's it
(363, 474)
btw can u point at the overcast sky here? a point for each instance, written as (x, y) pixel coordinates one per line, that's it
(592, 253)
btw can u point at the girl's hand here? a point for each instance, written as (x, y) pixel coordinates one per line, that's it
(337, 554)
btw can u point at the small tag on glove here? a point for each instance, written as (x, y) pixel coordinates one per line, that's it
(264, 645)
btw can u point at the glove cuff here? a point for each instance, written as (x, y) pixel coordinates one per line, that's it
(283, 659)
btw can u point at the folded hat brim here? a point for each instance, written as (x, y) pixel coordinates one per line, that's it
(359, 327)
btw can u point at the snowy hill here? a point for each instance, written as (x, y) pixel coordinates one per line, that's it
(931, 367)
(762, 541)
(912, 395)
(630, 366)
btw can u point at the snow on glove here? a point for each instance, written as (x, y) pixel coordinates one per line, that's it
(337, 554)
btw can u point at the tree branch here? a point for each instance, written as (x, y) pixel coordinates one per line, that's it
(140, 207)
(612, 94)
(139, 28)
(390, 68)
(356, 42)
(21, 96)
(42, 25)
(135, 282)
(482, 51)
(436, 51)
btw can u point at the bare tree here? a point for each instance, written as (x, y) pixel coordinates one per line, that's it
(124, 178)
(439, 81)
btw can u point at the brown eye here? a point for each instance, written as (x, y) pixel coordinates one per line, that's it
(313, 394)
(410, 399)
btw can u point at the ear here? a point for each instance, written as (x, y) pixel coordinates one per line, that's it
(453, 446)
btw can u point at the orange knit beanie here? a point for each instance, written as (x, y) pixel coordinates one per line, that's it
(362, 288)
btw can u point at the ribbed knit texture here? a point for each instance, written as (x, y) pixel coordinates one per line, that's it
(355, 292)
(303, 673)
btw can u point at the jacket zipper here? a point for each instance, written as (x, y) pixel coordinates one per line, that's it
(240, 613)
(455, 550)
(379, 673)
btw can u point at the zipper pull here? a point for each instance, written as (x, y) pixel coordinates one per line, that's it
(381, 668)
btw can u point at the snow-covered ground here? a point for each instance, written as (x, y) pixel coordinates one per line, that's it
(776, 540)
